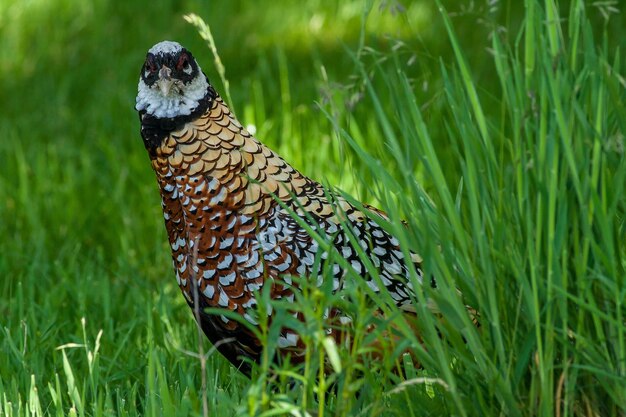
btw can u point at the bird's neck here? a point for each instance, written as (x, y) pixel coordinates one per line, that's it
(155, 129)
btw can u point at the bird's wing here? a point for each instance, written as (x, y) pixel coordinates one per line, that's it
(274, 192)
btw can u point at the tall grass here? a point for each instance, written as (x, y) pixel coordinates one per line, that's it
(512, 188)
(531, 231)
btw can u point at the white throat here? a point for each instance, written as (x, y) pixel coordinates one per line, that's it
(181, 100)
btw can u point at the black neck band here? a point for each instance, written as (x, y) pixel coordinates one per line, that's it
(155, 129)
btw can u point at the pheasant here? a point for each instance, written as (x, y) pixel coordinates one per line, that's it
(229, 201)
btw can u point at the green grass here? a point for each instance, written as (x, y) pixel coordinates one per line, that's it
(496, 131)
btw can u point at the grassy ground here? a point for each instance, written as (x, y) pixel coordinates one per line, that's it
(496, 130)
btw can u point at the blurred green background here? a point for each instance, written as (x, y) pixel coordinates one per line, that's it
(68, 75)
(75, 180)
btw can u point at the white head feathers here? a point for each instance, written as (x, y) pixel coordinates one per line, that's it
(188, 86)
(165, 47)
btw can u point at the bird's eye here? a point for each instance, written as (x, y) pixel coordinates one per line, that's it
(151, 66)
(183, 64)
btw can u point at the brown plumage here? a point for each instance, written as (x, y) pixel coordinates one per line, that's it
(228, 234)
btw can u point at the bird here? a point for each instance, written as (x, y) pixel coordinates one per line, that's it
(238, 216)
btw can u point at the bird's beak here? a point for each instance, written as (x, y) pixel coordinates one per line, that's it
(165, 81)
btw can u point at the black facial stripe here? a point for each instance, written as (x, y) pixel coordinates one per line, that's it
(171, 61)
(151, 77)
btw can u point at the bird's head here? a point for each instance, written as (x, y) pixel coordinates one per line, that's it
(171, 83)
